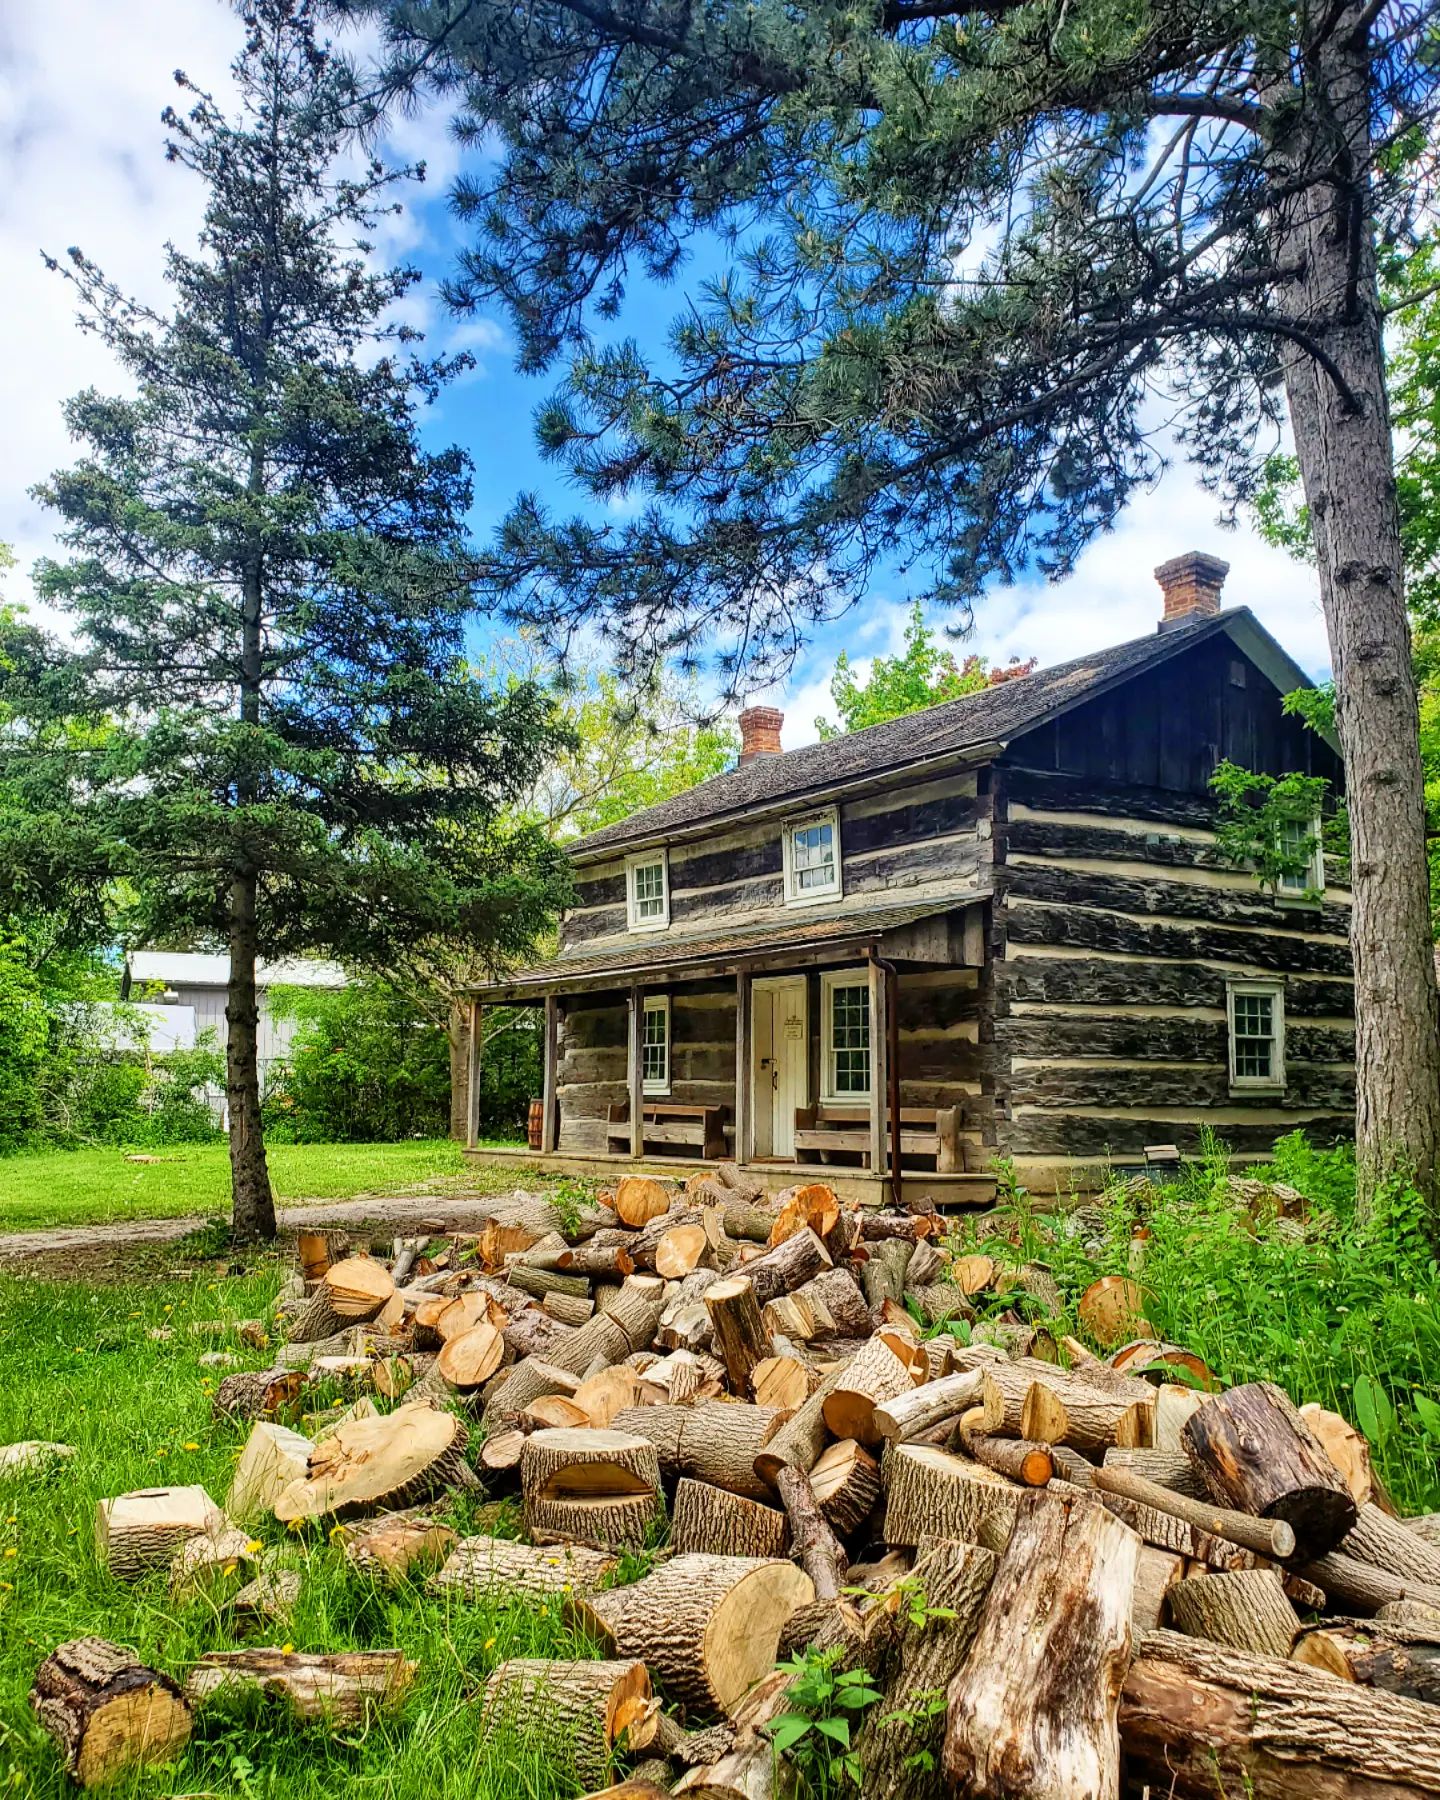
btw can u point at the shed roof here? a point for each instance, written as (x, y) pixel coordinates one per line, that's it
(995, 714)
(198, 968)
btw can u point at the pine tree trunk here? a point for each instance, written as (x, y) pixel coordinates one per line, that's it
(252, 1204)
(1343, 441)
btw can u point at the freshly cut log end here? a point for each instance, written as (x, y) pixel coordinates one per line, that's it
(273, 1457)
(876, 1374)
(109, 1714)
(1256, 1454)
(350, 1293)
(638, 1200)
(397, 1545)
(782, 1382)
(481, 1567)
(469, 1359)
(390, 1461)
(1246, 1609)
(140, 1531)
(931, 1494)
(576, 1714)
(718, 1523)
(257, 1393)
(706, 1626)
(335, 1691)
(1113, 1309)
(846, 1482)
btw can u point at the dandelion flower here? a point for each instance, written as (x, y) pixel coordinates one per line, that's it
(254, 1547)
(192, 1446)
(489, 1644)
(287, 1649)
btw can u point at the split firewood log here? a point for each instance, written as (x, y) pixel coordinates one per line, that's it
(927, 1264)
(590, 1487)
(813, 1204)
(914, 1411)
(713, 1442)
(813, 1544)
(706, 1626)
(681, 1250)
(481, 1568)
(834, 1305)
(639, 1199)
(388, 1462)
(257, 1393)
(602, 1396)
(1246, 1609)
(1033, 1711)
(883, 1276)
(109, 1714)
(551, 1412)
(879, 1372)
(637, 1785)
(1395, 1657)
(1057, 1407)
(319, 1251)
(337, 1691)
(349, 1293)
(1425, 1525)
(1174, 1407)
(931, 1494)
(1345, 1446)
(214, 1566)
(527, 1380)
(1197, 1719)
(140, 1531)
(901, 1741)
(783, 1382)
(973, 1274)
(788, 1266)
(913, 1225)
(745, 1766)
(602, 1257)
(1155, 1576)
(799, 1441)
(939, 1301)
(273, 1457)
(716, 1522)
(846, 1482)
(397, 1545)
(1255, 1453)
(31, 1457)
(741, 1340)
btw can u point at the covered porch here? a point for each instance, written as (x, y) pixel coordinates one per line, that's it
(848, 1047)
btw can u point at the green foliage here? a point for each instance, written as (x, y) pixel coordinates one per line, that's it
(1347, 1314)
(923, 674)
(23, 1034)
(823, 1702)
(1267, 823)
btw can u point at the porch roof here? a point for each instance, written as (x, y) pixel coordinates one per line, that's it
(712, 952)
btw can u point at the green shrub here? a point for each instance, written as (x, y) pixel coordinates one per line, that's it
(22, 1051)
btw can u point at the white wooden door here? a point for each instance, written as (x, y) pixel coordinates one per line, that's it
(781, 1067)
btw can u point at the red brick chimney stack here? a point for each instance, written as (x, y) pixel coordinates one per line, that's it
(760, 732)
(1192, 586)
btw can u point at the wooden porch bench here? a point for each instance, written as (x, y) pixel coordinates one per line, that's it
(673, 1125)
(924, 1131)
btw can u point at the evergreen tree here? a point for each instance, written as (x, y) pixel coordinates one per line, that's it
(268, 582)
(966, 248)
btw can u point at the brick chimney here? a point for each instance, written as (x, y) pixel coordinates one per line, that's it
(760, 732)
(1192, 585)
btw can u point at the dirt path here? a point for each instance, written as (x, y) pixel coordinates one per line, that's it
(406, 1213)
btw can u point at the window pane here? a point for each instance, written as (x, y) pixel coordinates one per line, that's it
(650, 891)
(1254, 1036)
(655, 1047)
(850, 1039)
(813, 857)
(1295, 835)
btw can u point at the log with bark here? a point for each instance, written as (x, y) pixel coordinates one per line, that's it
(1032, 1713)
(258, 1393)
(883, 1276)
(1256, 1454)
(846, 1482)
(349, 1293)
(628, 1325)
(1396, 1658)
(1246, 1609)
(835, 1305)
(397, 1546)
(876, 1374)
(787, 1267)
(813, 1544)
(338, 1691)
(387, 1462)
(931, 1494)
(741, 1340)
(713, 1442)
(745, 1766)
(716, 1522)
(590, 1487)
(1032, 1465)
(1385, 1543)
(915, 1410)
(576, 1715)
(140, 1531)
(481, 1568)
(706, 1626)
(639, 1199)
(109, 1714)
(1266, 1537)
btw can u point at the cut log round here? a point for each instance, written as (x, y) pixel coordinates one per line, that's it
(257, 1393)
(813, 1204)
(835, 1305)
(876, 1374)
(515, 1388)
(1255, 1453)
(1033, 1711)
(1394, 1659)
(31, 1457)
(930, 1494)
(1246, 1609)
(551, 1412)
(469, 1359)
(707, 1626)
(140, 1531)
(213, 1566)
(1344, 1445)
(480, 1568)
(1148, 1356)
(605, 1394)
(591, 1487)
(718, 1523)
(603, 1521)
(638, 1200)
(397, 1545)
(500, 1453)
(1174, 1407)
(387, 1462)
(680, 1251)
(349, 1293)
(109, 1714)
(1198, 1719)
(783, 1382)
(273, 1457)
(337, 1691)
(319, 1251)
(1113, 1309)
(741, 1340)
(846, 1482)
(909, 1414)
(900, 1744)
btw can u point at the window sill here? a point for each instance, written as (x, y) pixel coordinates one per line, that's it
(650, 1092)
(648, 925)
(1298, 903)
(816, 897)
(1256, 1090)
(845, 1099)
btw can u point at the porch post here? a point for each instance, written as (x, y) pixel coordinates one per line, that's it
(743, 1005)
(637, 1075)
(879, 1066)
(472, 1077)
(549, 1123)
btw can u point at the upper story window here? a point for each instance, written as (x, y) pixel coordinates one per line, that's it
(845, 1047)
(647, 887)
(1300, 839)
(812, 858)
(1257, 1033)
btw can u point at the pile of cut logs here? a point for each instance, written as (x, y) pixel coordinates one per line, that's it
(1070, 1570)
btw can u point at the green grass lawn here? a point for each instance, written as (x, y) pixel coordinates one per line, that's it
(87, 1187)
(80, 1368)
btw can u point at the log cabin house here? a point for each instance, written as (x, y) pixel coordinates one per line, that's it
(996, 928)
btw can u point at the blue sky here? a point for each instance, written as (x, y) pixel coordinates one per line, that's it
(82, 85)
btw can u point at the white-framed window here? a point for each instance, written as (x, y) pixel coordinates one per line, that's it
(655, 1044)
(845, 1045)
(647, 889)
(1257, 1033)
(812, 858)
(1302, 840)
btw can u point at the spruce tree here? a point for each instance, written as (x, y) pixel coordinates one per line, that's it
(268, 581)
(976, 258)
